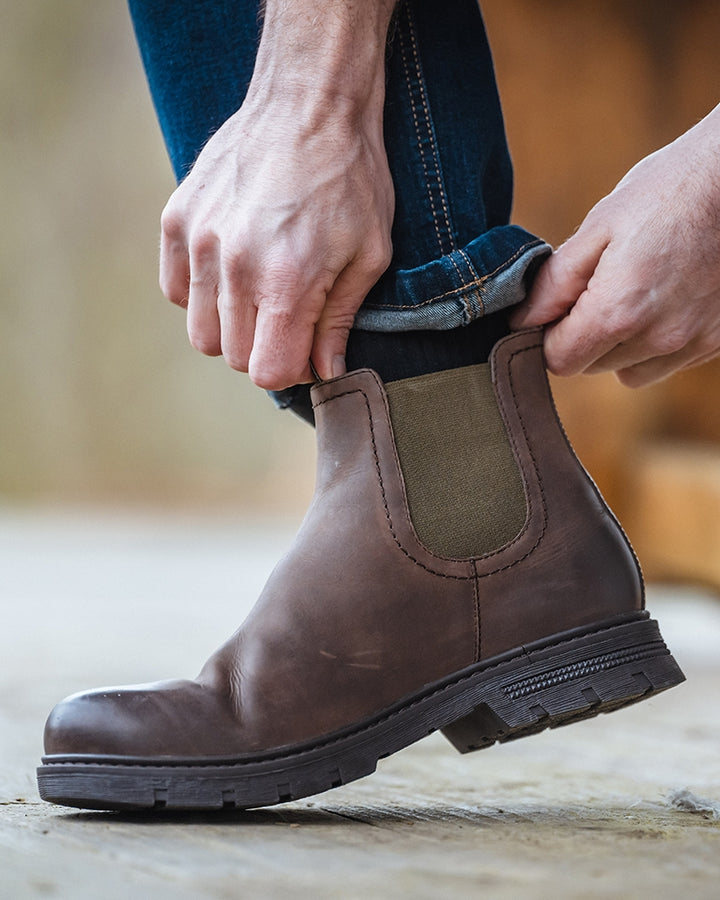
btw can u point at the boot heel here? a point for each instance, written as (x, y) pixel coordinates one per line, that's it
(568, 681)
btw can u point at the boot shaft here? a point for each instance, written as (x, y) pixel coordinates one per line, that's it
(563, 562)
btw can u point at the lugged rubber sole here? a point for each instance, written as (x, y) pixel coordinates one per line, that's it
(572, 676)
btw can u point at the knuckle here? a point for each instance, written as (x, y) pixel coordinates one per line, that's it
(337, 320)
(172, 224)
(203, 247)
(269, 377)
(235, 349)
(285, 312)
(619, 325)
(379, 260)
(563, 357)
(173, 290)
(558, 364)
(279, 315)
(203, 338)
(671, 340)
(376, 258)
(279, 279)
(634, 378)
(236, 361)
(177, 299)
(204, 344)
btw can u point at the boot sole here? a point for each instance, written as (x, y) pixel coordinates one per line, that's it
(573, 676)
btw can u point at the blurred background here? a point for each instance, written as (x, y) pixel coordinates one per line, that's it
(104, 402)
(589, 88)
(103, 399)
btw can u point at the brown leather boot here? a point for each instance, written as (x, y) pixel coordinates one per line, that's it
(461, 574)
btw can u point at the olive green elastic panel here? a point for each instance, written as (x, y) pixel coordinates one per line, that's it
(464, 490)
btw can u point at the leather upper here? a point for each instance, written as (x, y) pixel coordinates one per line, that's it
(359, 614)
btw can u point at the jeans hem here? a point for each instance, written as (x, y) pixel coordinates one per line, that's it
(457, 289)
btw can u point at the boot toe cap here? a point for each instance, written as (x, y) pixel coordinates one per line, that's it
(164, 720)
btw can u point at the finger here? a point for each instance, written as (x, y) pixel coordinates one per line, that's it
(580, 338)
(561, 280)
(338, 314)
(236, 311)
(330, 339)
(329, 346)
(627, 355)
(203, 324)
(661, 367)
(636, 349)
(280, 355)
(174, 267)
(653, 334)
(237, 316)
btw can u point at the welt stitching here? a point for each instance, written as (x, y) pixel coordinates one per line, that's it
(421, 151)
(388, 516)
(478, 623)
(431, 136)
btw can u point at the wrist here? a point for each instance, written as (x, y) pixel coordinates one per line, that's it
(327, 51)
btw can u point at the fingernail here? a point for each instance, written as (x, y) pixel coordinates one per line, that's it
(338, 366)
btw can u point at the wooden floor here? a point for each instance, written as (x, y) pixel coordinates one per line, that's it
(624, 806)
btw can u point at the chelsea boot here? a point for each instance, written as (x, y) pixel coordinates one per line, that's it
(457, 569)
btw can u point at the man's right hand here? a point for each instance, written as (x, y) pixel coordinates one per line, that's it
(636, 289)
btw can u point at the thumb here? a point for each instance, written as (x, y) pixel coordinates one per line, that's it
(561, 280)
(336, 319)
(330, 341)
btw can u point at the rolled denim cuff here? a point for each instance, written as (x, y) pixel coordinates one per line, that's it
(490, 273)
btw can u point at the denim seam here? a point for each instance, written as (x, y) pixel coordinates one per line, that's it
(479, 292)
(477, 284)
(431, 133)
(419, 143)
(463, 298)
(471, 267)
(418, 82)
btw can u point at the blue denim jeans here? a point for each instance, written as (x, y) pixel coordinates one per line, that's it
(456, 258)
